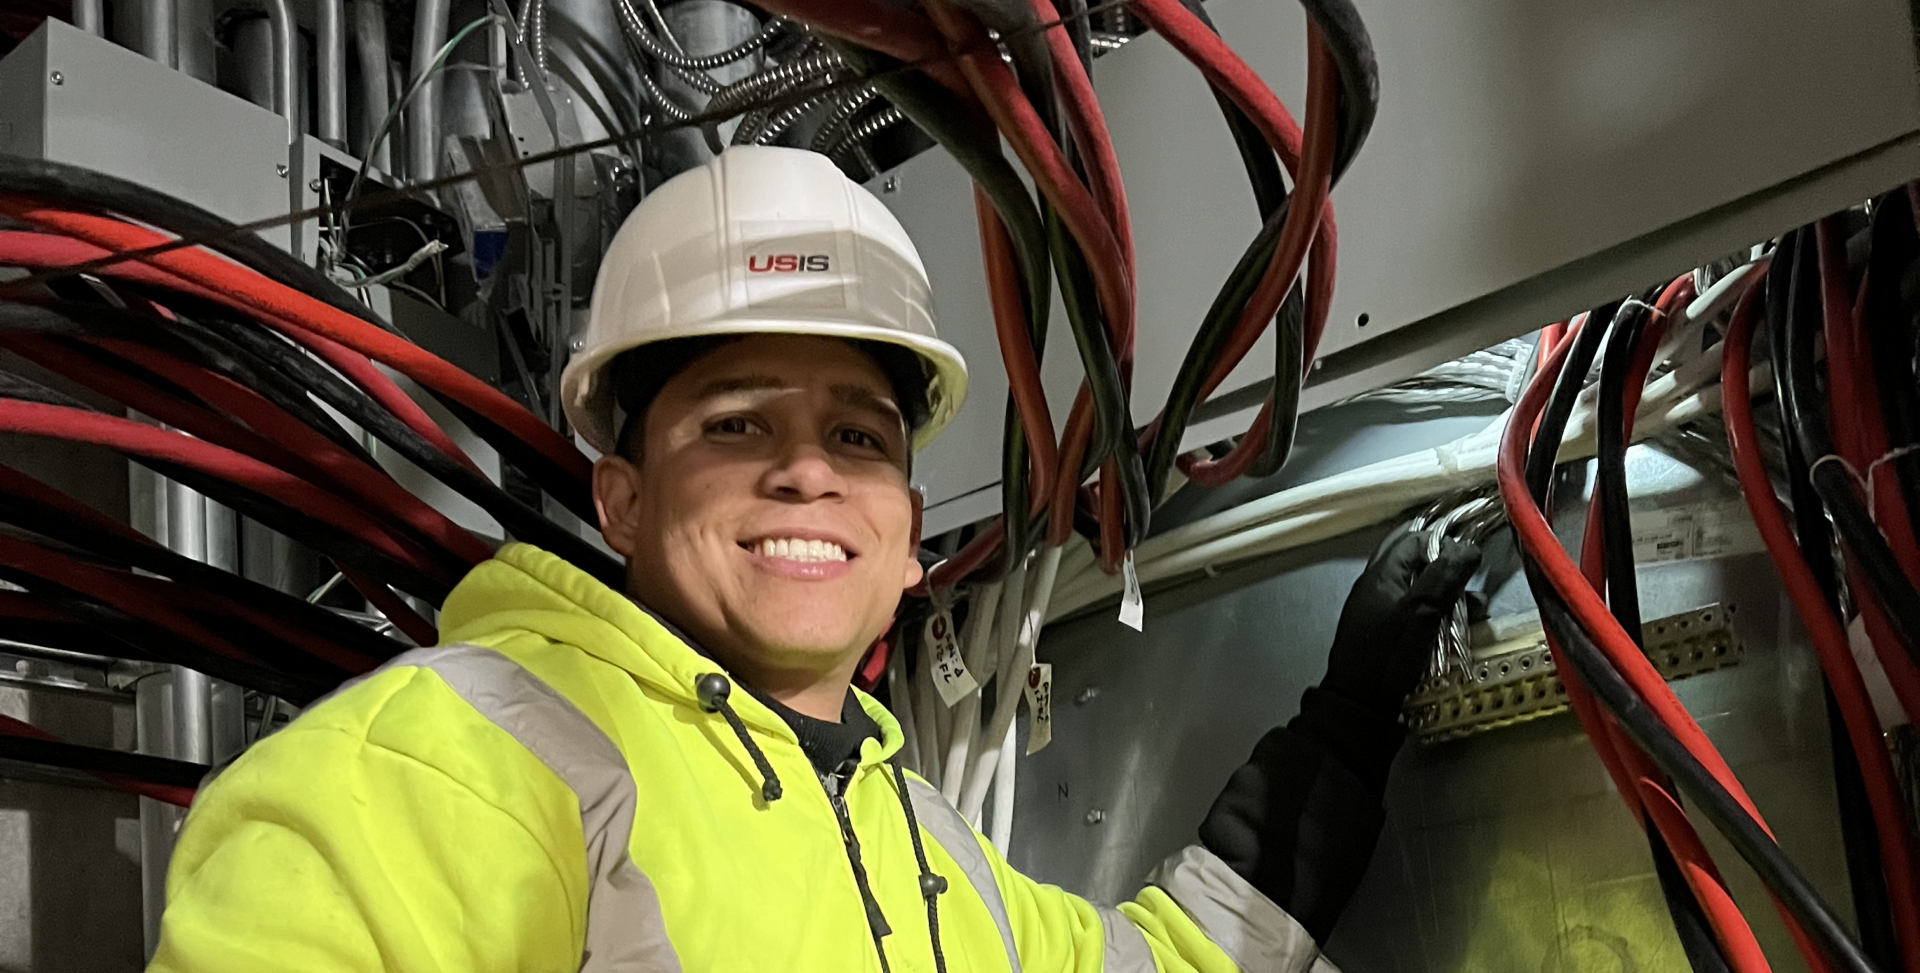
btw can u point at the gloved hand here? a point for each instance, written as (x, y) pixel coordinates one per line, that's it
(1392, 617)
(1300, 819)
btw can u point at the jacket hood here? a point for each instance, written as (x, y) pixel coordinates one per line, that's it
(524, 588)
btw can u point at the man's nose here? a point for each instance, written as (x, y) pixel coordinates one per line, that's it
(804, 471)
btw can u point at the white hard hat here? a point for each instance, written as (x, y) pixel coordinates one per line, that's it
(760, 240)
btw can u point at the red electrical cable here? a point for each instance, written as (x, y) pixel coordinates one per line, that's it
(1899, 865)
(291, 446)
(285, 304)
(1535, 536)
(44, 251)
(1088, 124)
(311, 449)
(1074, 440)
(1016, 348)
(1310, 194)
(164, 793)
(1860, 436)
(137, 439)
(15, 483)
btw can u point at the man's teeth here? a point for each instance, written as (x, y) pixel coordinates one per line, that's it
(802, 550)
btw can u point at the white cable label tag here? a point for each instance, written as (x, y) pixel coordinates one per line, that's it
(950, 675)
(1133, 610)
(1039, 706)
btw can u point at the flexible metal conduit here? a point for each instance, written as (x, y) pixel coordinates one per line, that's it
(423, 113)
(376, 98)
(330, 71)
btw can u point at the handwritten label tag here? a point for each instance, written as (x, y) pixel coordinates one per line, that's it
(950, 675)
(1133, 610)
(1039, 707)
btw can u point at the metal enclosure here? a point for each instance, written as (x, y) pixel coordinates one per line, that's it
(72, 97)
(1530, 159)
(1506, 851)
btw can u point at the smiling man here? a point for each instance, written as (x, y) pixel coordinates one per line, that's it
(678, 776)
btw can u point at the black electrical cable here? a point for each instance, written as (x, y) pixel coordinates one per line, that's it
(1610, 483)
(1352, 49)
(27, 513)
(1799, 404)
(1542, 458)
(974, 142)
(1890, 313)
(1623, 600)
(1256, 156)
(263, 354)
(1756, 847)
(79, 187)
(1860, 842)
(1216, 327)
(99, 760)
(1289, 371)
(163, 645)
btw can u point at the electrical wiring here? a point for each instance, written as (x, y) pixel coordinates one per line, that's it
(296, 508)
(1889, 351)
(1799, 403)
(32, 505)
(380, 132)
(1611, 666)
(1900, 868)
(1088, 126)
(165, 780)
(512, 430)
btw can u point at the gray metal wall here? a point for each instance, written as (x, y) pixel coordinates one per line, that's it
(1507, 851)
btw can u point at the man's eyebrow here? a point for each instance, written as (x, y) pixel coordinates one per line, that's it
(741, 383)
(866, 399)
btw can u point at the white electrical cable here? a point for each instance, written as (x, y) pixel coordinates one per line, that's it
(1349, 501)
(900, 693)
(981, 618)
(1012, 677)
(1003, 794)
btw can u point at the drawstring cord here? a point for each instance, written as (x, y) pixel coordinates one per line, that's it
(931, 885)
(713, 690)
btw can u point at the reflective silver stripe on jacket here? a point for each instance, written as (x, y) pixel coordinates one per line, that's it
(625, 930)
(951, 831)
(1127, 950)
(1256, 934)
(1126, 945)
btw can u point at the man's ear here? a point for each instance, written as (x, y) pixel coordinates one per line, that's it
(914, 570)
(616, 495)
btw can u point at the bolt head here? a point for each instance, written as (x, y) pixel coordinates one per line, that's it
(280, 168)
(57, 78)
(313, 185)
(1096, 816)
(1086, 695)
(578, 344)
(891, 185)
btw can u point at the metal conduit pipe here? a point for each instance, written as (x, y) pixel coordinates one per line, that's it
(376, 98)
(330, 71)
(423, 113)
(158, 31)
(285, 61)
(88, 17)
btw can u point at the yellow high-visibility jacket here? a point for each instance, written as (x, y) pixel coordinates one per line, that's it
(548, 794)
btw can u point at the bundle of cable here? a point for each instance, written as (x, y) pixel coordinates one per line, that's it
(257, 377)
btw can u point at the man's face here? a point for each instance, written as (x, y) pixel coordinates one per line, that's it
(768, 512)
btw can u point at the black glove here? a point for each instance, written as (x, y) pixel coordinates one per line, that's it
(1392, 618)
(1299, 821)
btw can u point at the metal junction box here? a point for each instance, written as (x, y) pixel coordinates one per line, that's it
(69, 96)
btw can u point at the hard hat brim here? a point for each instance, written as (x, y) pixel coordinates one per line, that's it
(587, 394)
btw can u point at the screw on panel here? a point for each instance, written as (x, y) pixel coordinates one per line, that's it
(57, 78)
(577, 344)
(314, 184)
(1096, 816)
(1086, 695)
(891, 185)
(281, 169)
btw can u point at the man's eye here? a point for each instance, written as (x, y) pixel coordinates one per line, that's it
(862, 439)
(730, 426)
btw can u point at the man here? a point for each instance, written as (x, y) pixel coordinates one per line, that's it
(678, 777)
